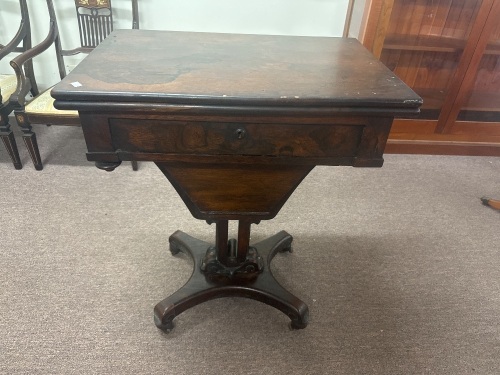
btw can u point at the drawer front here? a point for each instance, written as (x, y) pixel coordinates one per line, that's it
(210, 138)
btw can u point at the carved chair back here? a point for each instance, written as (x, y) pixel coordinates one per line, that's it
(95, 21)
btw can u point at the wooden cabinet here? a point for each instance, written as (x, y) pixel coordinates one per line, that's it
(448, 51)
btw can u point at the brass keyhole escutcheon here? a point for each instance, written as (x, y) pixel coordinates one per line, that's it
(240, 133)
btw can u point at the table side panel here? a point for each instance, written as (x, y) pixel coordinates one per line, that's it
(233, 191)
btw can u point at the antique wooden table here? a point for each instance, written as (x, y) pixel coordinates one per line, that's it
(235, 122)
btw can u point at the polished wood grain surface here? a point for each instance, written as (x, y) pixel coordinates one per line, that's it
(189, 68)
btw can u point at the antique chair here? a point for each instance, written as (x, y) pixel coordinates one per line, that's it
(8, 82)
(95, 21)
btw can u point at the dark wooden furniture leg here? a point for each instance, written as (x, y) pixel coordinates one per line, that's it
(29, 138)
(231, 268)
(9, 141)
(32, 146)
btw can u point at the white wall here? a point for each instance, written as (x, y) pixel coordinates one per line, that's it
(282, 17)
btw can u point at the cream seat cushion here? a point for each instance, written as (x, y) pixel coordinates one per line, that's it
(43, 104)
(8, 83)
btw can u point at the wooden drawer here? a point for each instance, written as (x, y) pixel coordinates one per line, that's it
(210, 138)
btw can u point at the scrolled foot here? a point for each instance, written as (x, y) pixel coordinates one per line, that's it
(294, 325)
(174, 248)
(181, 242)
(283, 242)
(286, 248)
(279, 243)
(300, 322)
(166, 325)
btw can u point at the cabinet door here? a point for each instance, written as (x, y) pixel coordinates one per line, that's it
(448, 51)
(424, 44)
(482, 103)
(473, 111)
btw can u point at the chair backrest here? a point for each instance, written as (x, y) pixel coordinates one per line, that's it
(95, 23)
(23, 36)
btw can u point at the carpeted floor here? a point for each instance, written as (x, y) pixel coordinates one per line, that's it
(400, 267)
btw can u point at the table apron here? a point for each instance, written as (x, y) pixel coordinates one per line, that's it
(344, 140)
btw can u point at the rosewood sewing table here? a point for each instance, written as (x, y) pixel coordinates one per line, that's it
(235, 122)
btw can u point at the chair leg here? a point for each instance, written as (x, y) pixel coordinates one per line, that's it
(135, 165)
(31, 143)
(10, 142)
(29, 138)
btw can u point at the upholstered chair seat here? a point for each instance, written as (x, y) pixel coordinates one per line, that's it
(43, 104)
(8, 83)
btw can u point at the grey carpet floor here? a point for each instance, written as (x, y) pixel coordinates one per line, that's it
(400, 267)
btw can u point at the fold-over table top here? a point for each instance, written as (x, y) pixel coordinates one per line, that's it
(215, 69)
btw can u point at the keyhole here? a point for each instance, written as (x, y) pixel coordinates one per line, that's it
(241, 133)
